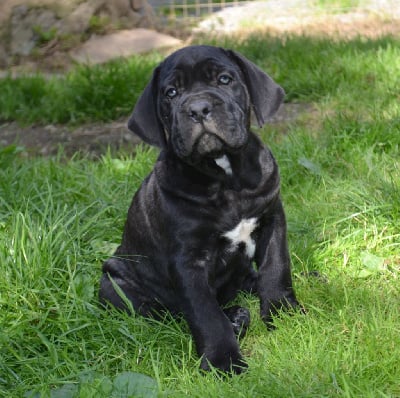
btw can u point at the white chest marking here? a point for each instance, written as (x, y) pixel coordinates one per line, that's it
(225, 164)
(241, 234)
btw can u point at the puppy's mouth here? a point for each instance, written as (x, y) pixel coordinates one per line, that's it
(210, 136)
(212, 154)
(211, 145)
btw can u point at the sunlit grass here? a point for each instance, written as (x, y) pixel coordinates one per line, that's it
(59, 219)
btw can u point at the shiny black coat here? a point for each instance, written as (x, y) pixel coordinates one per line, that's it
(210, 210)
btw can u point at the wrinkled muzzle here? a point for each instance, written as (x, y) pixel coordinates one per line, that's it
(207, 125)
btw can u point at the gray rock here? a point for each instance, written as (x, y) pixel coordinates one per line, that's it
(78, 21)
(118, 12)
(26, 25)
(35, 22)
(99, 49)
(3, 57)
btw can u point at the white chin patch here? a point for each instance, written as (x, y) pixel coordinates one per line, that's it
(225, 164)
(242, 234)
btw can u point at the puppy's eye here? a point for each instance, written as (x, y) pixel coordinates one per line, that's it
(171, 92)
(224, 79)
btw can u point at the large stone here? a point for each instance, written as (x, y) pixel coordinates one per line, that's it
(61, 8)
(116, 12)
(100, 49)
(27, 24)
(78, 21)
(3, 56)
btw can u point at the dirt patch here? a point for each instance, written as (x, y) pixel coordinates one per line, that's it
(371, 18)
(91, 139)
(95, 139)
(350, 27)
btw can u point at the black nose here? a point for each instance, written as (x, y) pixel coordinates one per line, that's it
(199, 110)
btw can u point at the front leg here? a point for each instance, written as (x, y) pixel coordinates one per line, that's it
(211, 329)
(274, 284)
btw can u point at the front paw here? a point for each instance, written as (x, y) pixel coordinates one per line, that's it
(240, 319)
(226, 360)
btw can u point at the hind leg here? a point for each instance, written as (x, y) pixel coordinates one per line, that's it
(117, 288)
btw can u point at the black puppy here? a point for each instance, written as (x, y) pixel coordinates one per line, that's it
(210, 207)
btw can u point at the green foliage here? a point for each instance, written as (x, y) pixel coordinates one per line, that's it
(99, 24)
(310, 69)
(44, 36)
(340, 172)
(92, 385)
(87, 93)
(337, 4)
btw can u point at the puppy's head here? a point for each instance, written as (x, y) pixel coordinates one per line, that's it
(200, 101)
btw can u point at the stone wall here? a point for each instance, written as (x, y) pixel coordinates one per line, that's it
(38, 27)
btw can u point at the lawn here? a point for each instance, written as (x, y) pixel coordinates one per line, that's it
(340, 170)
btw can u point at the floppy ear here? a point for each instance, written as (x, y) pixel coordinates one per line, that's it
(144, 120)
(265, 95)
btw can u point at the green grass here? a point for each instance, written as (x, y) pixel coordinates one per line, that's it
(310, 69)
(96, 93)
(339, 4)
(340, 170)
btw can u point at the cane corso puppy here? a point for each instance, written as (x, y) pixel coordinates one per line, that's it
(211, 206)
